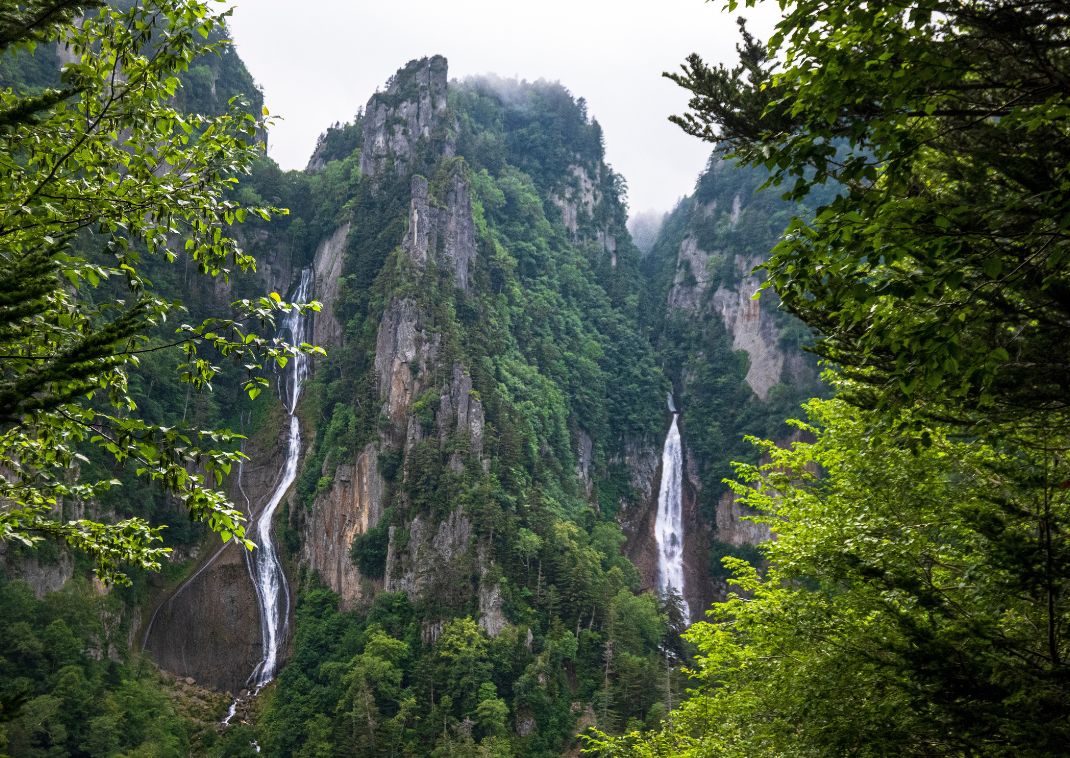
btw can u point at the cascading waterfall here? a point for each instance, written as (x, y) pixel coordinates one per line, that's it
(265, 569)
(669, 526)
(272, 592)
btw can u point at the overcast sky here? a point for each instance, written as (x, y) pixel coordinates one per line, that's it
(318, 61)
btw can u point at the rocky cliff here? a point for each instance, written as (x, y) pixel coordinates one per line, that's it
(408, 116)
(735, 359)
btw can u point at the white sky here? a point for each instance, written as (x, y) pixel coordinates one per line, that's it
(318, 61)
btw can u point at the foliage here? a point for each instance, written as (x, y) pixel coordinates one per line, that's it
(914, 599)
(101, 180)
(939, 273)
(913, 604)
(65, 688)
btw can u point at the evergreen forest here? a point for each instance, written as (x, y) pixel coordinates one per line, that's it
(437, 448)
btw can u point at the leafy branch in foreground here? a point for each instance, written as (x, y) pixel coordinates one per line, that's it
(99, 179)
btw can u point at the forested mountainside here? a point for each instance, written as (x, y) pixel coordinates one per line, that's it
(448, 531)
(468, 550)
(487, 408)
(736, 361)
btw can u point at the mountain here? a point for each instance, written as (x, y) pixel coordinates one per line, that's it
(736, 362)
(455, 508)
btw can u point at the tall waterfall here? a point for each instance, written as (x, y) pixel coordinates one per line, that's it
(272, 592)
(669, 526)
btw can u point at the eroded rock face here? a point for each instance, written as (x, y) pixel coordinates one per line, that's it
(330, 256)
(410, 111)
(401, 346)
(731, 526)
(445, 234)
(491, 618)
(431, 558)
(352, 506)
(208, 629)
(422, 236)
(752, 330)
(644, 465)
(460, 411)
(458, 230)
(743, 318)
(578, 201)
(688, 294)
(41, 575)
(585, 458)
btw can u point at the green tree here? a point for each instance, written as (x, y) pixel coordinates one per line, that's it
(100, 181)
(940, 271)
(914, 599)
(907, 608)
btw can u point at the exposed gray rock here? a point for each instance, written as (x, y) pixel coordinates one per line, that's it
(584, 456)
(42, 575)
(688, 293)
(433, 557)
(207, 629)
(643, 461)
(458, 230)
(461, 411)
(400, 347)
(409, 112)
(577, 202)
(430, 631)
(446, 235)
(352, 506)
(491, 618)
(731, 526)
(740, 312)
(422, 234)
(330, 255)
(742, 316)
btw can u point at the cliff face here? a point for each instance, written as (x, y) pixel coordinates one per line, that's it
(474, 418)
(411, 110)
(330, 257)
(353, 505)
(735, 360)
(208, 626)
(407, 359)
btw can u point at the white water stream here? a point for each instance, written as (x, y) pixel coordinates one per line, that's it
(669, 526)
(265, 569)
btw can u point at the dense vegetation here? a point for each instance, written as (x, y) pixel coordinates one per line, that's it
(549, 333)
(88, 218)
(914, 601)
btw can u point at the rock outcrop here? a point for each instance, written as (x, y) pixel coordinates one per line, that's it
(352, 506)
(411, 111)
(208, 628)
(444, 234)
(578, 200)
(742, 316)
(328, 265)
(458, 230)
(431, 559)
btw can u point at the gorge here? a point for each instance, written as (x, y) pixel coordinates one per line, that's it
(441, 510)
(468, 507)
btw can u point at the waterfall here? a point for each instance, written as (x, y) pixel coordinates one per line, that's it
(669, 526)
(265, 569)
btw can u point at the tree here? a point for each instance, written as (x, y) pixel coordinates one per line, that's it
(100, 180)
(939, 274)
(908, 608)
(914, 599)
